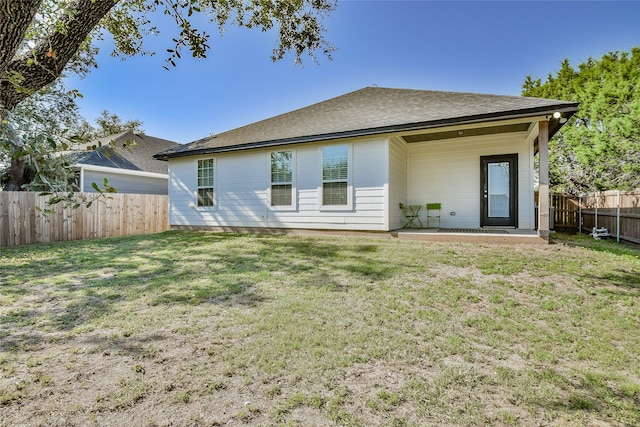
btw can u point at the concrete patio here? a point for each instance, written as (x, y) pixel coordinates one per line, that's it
(471, 235)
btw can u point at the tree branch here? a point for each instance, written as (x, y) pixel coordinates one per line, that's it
(15, 18)
(46, 61)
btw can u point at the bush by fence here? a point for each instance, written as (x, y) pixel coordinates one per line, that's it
(118, 215)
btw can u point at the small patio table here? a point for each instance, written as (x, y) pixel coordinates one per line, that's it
(412, 214)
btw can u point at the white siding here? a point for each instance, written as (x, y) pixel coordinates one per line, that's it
(397, 181)
(448, 172)
(125, 183)
(242, 199)
(384, 172)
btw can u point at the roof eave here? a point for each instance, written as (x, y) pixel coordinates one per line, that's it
(567, 108)
(121, 171)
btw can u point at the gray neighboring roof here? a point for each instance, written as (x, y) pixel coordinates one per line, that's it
(100, 158)
(135, 157)
(370, 111)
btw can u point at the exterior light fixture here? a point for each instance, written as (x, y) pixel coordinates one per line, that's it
(557, 115)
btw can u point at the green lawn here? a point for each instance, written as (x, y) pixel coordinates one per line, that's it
(184, 328)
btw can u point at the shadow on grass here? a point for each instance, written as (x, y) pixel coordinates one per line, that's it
(606, 246)
(77, 282)
(139, 346)
(346, 256)
(627, 280)
(81, 281)
(25, 341)
(592, 393)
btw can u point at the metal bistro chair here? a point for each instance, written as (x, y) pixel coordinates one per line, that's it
(410, 216)
(433, 213)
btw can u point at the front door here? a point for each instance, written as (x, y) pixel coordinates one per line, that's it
(499, 191)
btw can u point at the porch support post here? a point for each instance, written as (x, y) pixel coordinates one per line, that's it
(543, 188)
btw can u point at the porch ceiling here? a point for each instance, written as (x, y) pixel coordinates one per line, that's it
(449, 134)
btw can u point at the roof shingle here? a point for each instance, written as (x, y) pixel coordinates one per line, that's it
(138, 156)
(369, 111)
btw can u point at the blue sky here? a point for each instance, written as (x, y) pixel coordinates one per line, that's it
(467, 46)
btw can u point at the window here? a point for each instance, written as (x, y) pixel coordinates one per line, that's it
(335, 175)
(205, 182)
(282, 178)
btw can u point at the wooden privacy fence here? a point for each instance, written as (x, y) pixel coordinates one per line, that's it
(617, 211)
(116, 215)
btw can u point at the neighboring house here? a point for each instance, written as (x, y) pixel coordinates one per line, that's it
(130, 167)
(348, 162)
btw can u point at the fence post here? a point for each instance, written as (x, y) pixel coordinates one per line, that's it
(580, 215)
(596, 219)
(618, 219)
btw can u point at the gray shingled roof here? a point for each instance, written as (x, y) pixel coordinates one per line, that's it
(369, 111)
(100, 158)
(134, 157)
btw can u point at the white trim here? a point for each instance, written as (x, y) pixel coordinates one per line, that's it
(387, 172)
(533, 131)
(349, 205)
(215, 185)
(294, 186)
(474, 125)
(82, 179)
(120, 171)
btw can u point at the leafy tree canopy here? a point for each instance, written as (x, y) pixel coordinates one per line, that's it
(39, 39)
(599, 148)
(36, 130)
(42, 39)
(111, 124)
(46, 125)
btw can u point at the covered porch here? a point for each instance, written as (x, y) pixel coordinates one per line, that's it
(482, 176)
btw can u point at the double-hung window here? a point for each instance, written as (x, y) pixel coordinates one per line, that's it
(205, 182)
(282, 176)
(335, 176)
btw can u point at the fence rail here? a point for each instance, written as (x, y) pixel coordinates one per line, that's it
(617, 211)
(22, 223)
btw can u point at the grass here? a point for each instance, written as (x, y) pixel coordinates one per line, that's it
(307, 330)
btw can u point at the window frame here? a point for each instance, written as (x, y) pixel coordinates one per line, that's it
(294, 190)
(348, 180)
(199, 187)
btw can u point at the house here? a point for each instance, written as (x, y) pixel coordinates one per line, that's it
(348, 162)
(130, 167)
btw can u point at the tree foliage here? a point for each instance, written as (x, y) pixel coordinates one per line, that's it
(43, 129)
(39, 39)
(37, 130)
(110, 124)
(599, 148)
(42, 39)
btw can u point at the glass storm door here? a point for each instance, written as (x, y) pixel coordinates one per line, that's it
(498, 191)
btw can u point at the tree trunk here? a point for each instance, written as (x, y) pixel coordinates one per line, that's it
(45, 62)
(15, 18)
(28, 72)
(16, 175)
